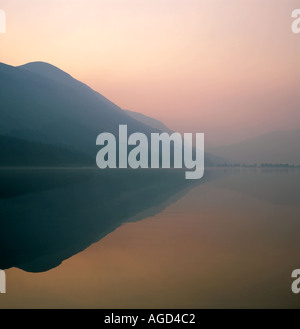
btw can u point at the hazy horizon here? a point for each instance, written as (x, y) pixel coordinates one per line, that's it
(226, 69)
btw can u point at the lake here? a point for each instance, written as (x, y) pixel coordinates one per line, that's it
(72, 238)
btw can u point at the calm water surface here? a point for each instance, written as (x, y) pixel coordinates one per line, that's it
(149, 240)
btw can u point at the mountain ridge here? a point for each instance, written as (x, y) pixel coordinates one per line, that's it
(276, 147)
(43, 104)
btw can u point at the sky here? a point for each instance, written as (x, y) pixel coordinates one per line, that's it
(229, 68)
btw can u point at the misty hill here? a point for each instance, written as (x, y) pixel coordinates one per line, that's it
(41, 103)
(210, 159)
(67, 113)
(53, 73)
(151, 122)
(276, 147)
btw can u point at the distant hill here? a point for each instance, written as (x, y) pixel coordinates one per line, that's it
(279, 147)
(210, 159)
(151, 122)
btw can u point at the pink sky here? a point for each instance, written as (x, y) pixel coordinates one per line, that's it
(228, 68)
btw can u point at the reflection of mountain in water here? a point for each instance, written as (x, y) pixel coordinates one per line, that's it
(48, 216)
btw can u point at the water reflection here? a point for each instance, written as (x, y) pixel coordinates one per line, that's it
(275, 185)
(48, 216)
(231, 241)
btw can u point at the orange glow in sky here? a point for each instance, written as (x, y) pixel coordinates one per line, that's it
(228, 68)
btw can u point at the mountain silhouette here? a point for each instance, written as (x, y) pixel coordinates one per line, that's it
(151, 122)
(15, 152)
(44, 105)
(41, 103)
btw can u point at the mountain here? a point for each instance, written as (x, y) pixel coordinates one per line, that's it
(15, 151)
(210, 159)
(278, 147)
(43, 105)
(151, 122)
